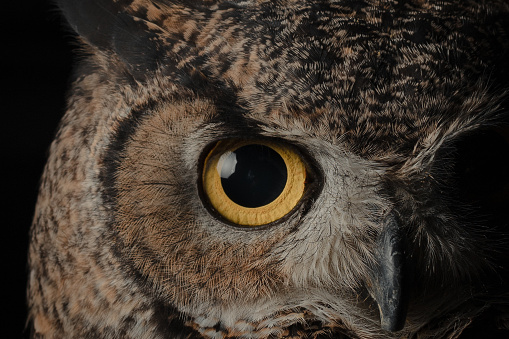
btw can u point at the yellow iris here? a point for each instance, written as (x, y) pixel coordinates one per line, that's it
(248, 199)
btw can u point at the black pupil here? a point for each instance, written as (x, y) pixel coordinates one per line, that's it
(253, 175)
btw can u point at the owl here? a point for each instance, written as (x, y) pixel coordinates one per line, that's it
(278, 169)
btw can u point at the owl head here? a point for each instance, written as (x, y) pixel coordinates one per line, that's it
(269, 169)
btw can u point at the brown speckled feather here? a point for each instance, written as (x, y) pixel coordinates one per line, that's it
(395, 107)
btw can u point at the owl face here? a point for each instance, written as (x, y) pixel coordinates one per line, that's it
(275, 169)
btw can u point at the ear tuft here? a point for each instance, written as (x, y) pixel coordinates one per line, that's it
(94, 20)
(108, 26)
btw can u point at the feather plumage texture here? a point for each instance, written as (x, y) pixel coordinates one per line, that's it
(386, 101)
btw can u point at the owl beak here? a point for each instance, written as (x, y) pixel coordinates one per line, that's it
(391, 277)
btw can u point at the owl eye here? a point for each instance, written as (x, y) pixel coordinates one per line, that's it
(253, 183)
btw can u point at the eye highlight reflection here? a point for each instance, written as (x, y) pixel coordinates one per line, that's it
(252, 183)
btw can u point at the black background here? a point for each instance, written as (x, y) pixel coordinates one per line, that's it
(36, 60)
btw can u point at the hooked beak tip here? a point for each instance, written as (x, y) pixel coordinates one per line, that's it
(390, 291)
